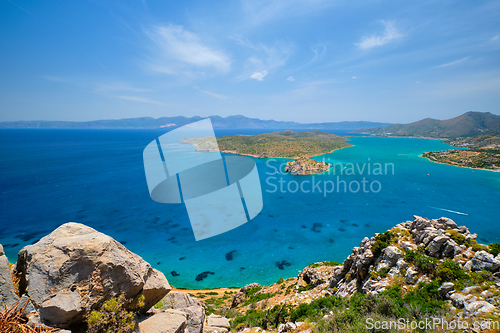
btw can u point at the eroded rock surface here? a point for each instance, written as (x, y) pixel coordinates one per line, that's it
(72, 270)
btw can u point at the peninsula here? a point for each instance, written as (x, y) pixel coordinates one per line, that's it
(481, 152)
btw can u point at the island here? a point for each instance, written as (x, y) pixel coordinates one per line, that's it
(477, 152)
(286, 144)
(306, 166)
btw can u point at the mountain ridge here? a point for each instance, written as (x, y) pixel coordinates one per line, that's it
(237, 121)
(468, 124)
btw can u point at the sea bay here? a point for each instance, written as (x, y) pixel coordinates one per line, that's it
(96, 177)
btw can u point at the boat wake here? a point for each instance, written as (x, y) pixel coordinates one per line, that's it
(447, 210)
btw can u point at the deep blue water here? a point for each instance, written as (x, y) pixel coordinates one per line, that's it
(96, 177)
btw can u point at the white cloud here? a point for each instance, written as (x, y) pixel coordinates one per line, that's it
(260, 11)
(139, 99)
(211, 94)
(452, 63)
(354, 77)
(264, 57)
(319, 52)
(259, 75)
(391, 34)
(496, 38)
(290, 78)
(178, 50)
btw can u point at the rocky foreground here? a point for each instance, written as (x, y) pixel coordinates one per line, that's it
(417, 269)
(59, 281)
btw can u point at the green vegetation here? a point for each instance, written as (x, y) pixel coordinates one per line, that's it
(349, 315)
(461, 239)
(304, 288)
(480, 247)
(494, 248)
(250, 292)
(111, 317)
(286, 144)
(488, 141)
(258, 297)
(482, 151)
(423, 262)
(325, 263)
(470, 158)
(382, 241)
(450, 271)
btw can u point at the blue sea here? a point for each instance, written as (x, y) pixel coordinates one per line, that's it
(96, 177)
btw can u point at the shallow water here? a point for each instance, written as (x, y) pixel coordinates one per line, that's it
(96, 177)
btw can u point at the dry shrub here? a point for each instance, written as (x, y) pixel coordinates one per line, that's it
(11, 320)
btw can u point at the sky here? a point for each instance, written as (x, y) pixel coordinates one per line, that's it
(299, 60)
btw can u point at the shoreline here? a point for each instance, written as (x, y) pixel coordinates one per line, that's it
(406, 137)
(458, 166)
(285, 158)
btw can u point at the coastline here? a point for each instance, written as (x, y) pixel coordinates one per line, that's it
(459, 166)
(405, 137)
(285, 158)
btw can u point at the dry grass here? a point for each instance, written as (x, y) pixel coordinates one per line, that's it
(11, 320)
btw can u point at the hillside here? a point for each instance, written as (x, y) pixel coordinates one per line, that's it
(286, 144)
(173, 122)
(482, 152)
(416, 271)
(467, 124)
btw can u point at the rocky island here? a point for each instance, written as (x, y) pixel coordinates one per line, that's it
(285, 144)
(306, 166)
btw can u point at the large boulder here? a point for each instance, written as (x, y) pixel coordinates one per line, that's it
(75, 268)
(170, 321)
(445, 289)
(314, 276)
(8, 296)
(486, 261)
(193, 308)
(391, 255)
(478, 307)
(218, 321)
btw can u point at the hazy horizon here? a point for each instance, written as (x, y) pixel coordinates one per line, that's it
(298, 60)
(234, 115)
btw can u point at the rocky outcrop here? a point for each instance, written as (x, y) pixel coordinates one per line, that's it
(315, 276)
(306, 166)
(217, 324)
(484, 261)
(193, 308)
(171, 321)
(75, 268)
(239, 297)
(363, 272)
(8, 296)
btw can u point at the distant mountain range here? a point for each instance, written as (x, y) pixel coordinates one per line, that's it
(172, 122)
(465, 125)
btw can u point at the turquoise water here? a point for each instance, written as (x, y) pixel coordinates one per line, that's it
(96, 177)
